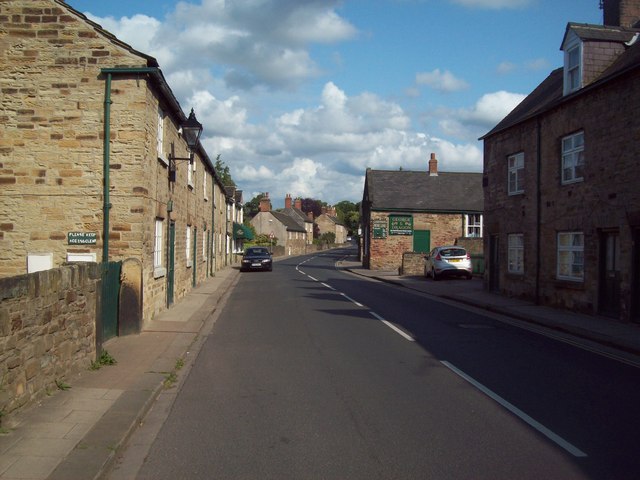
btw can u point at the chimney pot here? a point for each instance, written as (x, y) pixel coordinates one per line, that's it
(433, 166)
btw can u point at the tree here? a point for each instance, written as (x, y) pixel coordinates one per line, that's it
(328, 238)
(311, 205)
(252, 207)
(223, 172)
(349, 214)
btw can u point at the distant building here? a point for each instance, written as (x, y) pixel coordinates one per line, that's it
(328, 222)
(562, 189)
(288, 232)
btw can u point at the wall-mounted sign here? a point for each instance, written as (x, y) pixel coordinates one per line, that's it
(82, 238)
(400, 225)
(379, 229)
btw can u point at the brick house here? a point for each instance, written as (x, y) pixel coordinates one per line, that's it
(290, 234)
(67, 85)
(562, 190)
(409, 211)
(329, 222)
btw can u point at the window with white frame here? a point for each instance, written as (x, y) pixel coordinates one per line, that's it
(190, 173)
(573, 158)
(572, 67)
(158, 257)
(571, 256)
(187, 247)
(515, 253)
(516, 173)
(473, 225)
(204, 186)
(204, 245)
(160, 137)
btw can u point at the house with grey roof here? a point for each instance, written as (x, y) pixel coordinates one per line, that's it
(294, 210)
(282, 228)
(561, 183)
(328, 222)
(414, 211)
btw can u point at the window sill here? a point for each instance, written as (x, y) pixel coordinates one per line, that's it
(163, 160)
(159, 272)
(577, 284)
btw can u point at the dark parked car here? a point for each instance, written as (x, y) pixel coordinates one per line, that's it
(256, 258)
(451, 260)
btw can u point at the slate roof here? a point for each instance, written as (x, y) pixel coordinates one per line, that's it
(288, 222)
(550, 92)
(298, 215)
(335, 220)
(418, 191)
(602, 33)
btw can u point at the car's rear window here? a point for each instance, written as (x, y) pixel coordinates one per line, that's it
(257, 251)
(453, 252)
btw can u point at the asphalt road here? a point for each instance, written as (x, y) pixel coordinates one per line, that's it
(312, 372)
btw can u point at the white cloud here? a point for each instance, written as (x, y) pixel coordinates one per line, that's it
(224, 58)
(505, 68)
(444, 82)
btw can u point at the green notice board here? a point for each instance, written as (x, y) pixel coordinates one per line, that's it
(379, 229)
(400, 225)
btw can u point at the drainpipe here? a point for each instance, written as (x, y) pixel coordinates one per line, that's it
(538, 206)
(106, 205)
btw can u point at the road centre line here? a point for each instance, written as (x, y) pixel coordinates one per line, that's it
(388, 324)
(393, 327)
(351, 299)
(573, 450)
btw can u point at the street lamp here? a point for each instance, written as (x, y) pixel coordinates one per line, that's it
(191, 131)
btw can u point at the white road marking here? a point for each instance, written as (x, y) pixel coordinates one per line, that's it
(393, 327)
(576, 452)
(351, 299)
(314, 279)
(329, 286)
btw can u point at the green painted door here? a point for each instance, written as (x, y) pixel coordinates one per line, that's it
(171, 262)
(422, 241)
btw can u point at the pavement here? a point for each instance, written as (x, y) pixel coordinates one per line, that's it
(77, 433)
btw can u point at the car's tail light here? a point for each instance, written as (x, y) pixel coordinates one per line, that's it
(468, 256)
(438, 257)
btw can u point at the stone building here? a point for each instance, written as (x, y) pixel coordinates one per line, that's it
(562, 190)
(93, 165)
(284, 229)
(408, 211)
(328, 221)
(294, 210)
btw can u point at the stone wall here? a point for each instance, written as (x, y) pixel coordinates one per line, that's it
(47, 330)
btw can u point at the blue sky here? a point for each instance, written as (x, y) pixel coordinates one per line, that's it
(301, 96)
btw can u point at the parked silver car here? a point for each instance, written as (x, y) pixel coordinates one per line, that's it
(449, 260)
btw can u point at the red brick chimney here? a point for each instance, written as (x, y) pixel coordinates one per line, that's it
(265, 203)
(287, 201)
(298, 203)
(621, 13)
(433, 166)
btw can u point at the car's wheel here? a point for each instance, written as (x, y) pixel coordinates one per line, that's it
(434, 275)
(469, 276)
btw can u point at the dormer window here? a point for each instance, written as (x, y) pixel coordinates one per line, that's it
(572, 66)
